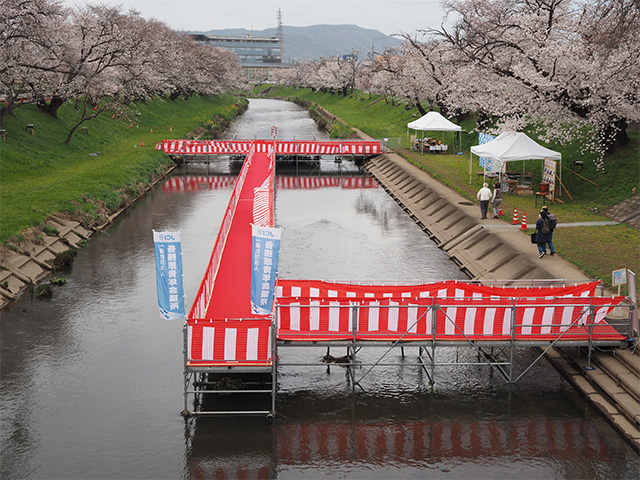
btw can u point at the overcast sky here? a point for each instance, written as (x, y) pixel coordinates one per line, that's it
(388, 16)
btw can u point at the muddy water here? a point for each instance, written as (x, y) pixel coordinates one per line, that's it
(91, 380)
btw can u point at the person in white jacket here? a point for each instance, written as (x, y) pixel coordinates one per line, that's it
(484, 195)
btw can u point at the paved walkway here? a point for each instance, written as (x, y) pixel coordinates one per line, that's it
(560, 225)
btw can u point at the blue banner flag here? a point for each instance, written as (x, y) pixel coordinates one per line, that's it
(485, 162)
(169, 275)
(265, 251)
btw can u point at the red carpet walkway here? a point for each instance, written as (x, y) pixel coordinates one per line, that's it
(231, 296)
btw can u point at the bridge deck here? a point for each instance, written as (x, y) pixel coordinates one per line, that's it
(230, 297)
(221, 332)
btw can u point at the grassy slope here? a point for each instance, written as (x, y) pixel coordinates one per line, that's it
(40, 175)
(597, 251)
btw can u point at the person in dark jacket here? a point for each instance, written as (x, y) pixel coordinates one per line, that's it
(544, 234)
(496, 201)
(554, 223)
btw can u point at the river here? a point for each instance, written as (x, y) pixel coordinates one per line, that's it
(91, 380)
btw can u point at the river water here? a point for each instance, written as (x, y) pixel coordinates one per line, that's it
(91, 380)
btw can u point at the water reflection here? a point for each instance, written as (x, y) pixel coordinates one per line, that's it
(190, 183)
(353, 436)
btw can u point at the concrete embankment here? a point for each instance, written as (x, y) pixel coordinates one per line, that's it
(493, 250)
(33, 262)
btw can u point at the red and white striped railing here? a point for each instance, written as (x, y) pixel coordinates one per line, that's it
(294, 147)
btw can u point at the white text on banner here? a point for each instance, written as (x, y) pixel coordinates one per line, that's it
(169, 274)
(265, 251)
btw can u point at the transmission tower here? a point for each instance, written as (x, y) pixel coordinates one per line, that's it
(281, 35)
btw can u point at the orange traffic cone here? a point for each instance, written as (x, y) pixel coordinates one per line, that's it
(515, 217)
(141, 143)
(151, 131)
(524, 221)
(171, 129)
(500, 214)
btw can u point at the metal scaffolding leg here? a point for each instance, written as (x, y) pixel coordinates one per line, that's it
(185, 411)
(274, 369)
(513, 339)
(354, 329)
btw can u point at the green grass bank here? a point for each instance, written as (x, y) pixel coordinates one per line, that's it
(587, 194)
(102, 167)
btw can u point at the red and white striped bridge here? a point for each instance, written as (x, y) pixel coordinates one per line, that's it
(222, 333)
(280, 147)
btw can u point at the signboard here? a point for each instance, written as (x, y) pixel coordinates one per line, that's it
(549, 175)
(619, 277)
(264, 268)
(169, 283)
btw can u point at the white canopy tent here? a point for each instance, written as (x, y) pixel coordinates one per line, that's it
(434, 122)
(510, 147)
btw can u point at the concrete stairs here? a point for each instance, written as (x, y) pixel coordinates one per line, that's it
(610, 382)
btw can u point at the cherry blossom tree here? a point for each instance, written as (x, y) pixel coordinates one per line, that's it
(414, 73)
(31, 33)
(563, 64)
(101, 58)
(338, 73)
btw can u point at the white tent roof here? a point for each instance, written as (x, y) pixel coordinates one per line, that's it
(511, 146)
(433, 121)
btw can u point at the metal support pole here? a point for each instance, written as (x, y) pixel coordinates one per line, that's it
(354, 329)
(434, 317)
(185, 372)
(591, 324)
(513, 340)
(274, 367)
(328, 357)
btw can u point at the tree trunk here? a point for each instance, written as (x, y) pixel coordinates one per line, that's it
(52, 107)
(483, 120)
(614, 135)
(83, 118)
(73, 129)
(421, 109)
(4, 110)
(462, 116)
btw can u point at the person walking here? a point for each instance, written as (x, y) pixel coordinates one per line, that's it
(496, 201)
(543, 234)
(484, 195)
(553, 222)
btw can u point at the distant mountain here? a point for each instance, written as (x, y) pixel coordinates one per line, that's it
(313, 42)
